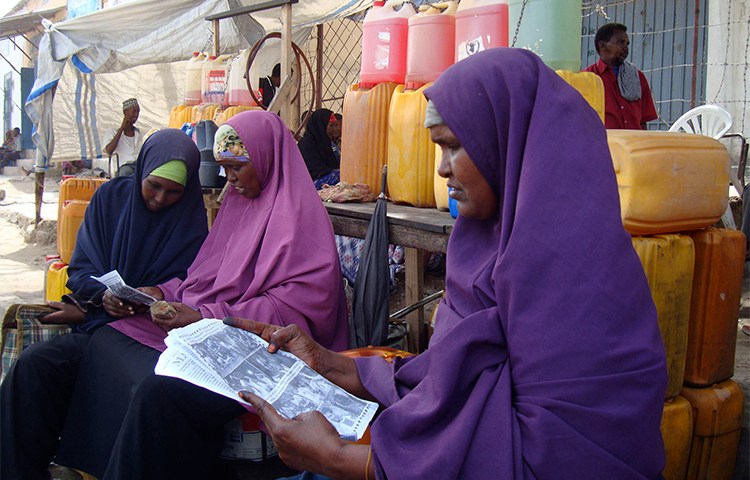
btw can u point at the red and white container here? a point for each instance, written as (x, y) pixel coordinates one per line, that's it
(384, 43)
(430, 49)
(193, 79)
(480, 24)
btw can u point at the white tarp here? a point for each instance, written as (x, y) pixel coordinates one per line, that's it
(149, 32)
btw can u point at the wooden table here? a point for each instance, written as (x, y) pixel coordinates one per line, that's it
(418, 230)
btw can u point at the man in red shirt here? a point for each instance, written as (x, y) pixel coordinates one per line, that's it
(627, 96)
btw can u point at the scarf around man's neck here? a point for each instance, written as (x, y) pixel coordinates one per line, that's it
(629, 82)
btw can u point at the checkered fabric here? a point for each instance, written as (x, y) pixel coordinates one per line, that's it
(21, 328)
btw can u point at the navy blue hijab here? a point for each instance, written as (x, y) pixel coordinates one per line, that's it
(119, 233)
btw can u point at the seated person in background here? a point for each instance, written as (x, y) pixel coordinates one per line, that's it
(334, 129)
(268, 85)
(149, 228)
(547, 360)
(7, 148)
(627, 97)
(318, 148)
(269, 255)
(126, 140)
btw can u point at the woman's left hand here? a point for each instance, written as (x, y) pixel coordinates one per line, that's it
(306, 442)
(184, 316)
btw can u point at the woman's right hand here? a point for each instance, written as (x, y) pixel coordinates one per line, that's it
(115, 307)
(290, 338)
(66, 313)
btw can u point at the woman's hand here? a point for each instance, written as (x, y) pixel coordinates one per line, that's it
(290, 338)
(309, 442)
(153, 291)
(184, 316)
(115, 307)
(66, 313)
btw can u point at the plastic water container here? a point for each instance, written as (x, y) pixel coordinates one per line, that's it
(384, 43)
(589, 85)
(452, 205)
(714, 305)
(411, 152)
(668, 181)
(238, 94)
(668, 262)
(230, 112)
(481, 24)
(193, 79)
(57, 278)
(717, 425)
(74, 196)
(551, 29)
(364, 139)
(214, 79)
(677, 433)
(432, 34)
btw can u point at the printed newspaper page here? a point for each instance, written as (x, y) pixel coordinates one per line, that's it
(226, 360)
(123, 291)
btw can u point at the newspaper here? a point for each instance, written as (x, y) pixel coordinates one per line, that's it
(123, 291)
(226, 359)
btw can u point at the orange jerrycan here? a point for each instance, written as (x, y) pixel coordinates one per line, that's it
(677, 433)
(74, 196)
(364, 139)
(717, 423)
(668, 262)
(411, 152)
(668, 181)
(589, 85)
(714, 306)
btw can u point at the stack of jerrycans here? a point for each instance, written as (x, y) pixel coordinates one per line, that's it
(364, 138)
(75, 195)
(673, 187)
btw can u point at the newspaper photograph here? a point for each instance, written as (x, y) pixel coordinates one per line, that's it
(115, 284)
(225, 360)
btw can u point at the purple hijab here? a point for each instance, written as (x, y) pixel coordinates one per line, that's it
(548, 358)
(271, 258)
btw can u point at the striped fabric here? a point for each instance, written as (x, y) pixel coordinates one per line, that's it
(22, 328)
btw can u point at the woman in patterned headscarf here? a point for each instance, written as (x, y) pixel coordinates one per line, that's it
(546, 361)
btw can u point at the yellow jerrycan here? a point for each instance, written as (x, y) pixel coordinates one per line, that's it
(589, 85)
(411, 152)
(677, 433)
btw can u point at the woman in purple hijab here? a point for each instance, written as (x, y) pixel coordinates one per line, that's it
(546, 361)
(269, 255)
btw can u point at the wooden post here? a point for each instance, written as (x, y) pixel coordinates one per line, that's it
(216, 36)
(413, 258)
(319, 68)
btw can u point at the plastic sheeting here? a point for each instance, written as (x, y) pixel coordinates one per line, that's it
(142, 32)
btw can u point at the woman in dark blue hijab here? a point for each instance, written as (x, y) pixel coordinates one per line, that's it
(148, 227)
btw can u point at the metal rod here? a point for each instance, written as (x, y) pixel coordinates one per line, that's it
(694, 74)
(254, 8)
(407, 310)
(22, 51)
(319, 68)
(11, 65)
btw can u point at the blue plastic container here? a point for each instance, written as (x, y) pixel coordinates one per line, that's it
(452, 204)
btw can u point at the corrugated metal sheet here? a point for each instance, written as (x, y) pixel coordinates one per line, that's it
(663, 36)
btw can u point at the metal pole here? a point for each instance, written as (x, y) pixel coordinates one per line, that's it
(286, 59)
(694, 74)
(319, 68)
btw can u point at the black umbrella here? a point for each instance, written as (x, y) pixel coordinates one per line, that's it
(369, 322)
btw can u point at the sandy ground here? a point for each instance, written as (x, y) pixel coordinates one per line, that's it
(23, 247)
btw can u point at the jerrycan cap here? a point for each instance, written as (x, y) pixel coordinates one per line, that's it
(378, 3)
(367, 85)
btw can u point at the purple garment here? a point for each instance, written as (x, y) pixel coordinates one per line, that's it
(271, 258)
(548, 358)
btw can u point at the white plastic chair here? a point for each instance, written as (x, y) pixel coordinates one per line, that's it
(708, 120)
(712, 121)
